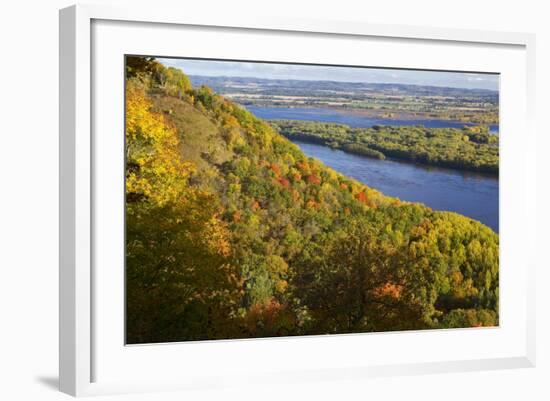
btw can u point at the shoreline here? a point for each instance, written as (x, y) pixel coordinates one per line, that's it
(369, 113)
(399, 160)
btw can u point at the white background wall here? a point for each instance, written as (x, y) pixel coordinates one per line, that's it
(29, 185)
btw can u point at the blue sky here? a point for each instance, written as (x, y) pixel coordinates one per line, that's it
(343, 74)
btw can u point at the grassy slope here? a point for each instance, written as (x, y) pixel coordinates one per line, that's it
(200, 137)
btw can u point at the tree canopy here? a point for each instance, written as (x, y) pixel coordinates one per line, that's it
(472, 148)
(232, 232)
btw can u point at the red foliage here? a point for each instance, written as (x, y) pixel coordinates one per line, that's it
(311, 204)
(313, 179)
(389, 290)
(303, 167)
(269, 318)
(284, 182)
(276, 169)
(361, 197)
(237, 216)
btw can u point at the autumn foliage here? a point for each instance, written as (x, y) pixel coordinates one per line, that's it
(232, 232)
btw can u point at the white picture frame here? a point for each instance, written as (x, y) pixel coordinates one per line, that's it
(82, 344)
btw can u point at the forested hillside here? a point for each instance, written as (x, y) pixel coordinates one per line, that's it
(232, 232)
(471, 148)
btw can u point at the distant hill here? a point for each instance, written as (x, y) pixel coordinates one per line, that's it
(477, 106)
(223, 84)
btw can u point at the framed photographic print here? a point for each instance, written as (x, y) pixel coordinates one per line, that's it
(317, 200)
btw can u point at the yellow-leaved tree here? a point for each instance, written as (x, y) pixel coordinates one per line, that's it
(154, 168)
(181, 279)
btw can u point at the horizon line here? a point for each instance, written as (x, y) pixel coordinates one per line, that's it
(342, 82)
(234, 70)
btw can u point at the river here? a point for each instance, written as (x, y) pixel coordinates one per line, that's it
(470, 194)
(351, 118)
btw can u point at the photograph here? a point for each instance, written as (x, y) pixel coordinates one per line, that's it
(268, 199)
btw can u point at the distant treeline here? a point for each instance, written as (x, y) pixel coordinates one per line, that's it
(471, 148)
(477, 106)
